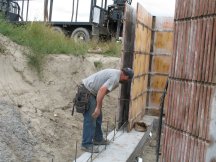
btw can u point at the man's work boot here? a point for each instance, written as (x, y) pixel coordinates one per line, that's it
(90, 149)
(103, 142)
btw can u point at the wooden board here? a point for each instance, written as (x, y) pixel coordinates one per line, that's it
(141, 56)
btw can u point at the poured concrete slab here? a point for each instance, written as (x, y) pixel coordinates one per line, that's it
(121, 147)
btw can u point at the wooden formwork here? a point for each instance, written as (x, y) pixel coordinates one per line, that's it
(160, 60)
(190, 130)
(147, 48)
(126, 61)
(141, 56)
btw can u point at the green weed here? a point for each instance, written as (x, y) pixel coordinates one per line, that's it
(42, 41)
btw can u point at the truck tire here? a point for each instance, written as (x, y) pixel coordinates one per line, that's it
(80, 34)
(58, 30)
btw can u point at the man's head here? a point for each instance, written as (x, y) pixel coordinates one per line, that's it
(126, 74)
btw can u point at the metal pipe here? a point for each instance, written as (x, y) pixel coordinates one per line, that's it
(72, 11)
(114, 129)
(27, 10)
(50, 11)
(106, 133)
(92, 152)
(160, 120)
(77, 7)
(105, 5)
(102, 3)
(76, 152)
(1, 4)
(22, 8)
(91, 11)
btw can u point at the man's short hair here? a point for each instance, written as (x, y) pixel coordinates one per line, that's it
(128, 72)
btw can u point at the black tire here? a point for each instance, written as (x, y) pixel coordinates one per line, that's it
(80, 34)
(58, 30)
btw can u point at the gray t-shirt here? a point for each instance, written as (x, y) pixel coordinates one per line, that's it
(108, 77)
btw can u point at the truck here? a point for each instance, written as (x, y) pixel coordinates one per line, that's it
(105, 21)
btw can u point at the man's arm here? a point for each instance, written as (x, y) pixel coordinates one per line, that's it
(100, 96)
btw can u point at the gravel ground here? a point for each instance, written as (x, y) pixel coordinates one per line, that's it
(149, 150)
(15, 140)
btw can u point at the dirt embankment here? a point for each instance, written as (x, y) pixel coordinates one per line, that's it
(35, 115)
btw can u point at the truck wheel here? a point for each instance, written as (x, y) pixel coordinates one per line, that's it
(80, 34)
(58, 30)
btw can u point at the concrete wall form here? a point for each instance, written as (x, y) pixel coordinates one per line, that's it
(147, 48)
(160, 61)
(190, 118)
(141, 56)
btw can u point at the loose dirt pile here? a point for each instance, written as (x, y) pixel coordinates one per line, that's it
(35, 114)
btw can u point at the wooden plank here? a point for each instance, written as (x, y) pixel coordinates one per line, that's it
(140, 64)
(202, 49)
(199, 46)
(173, 65)
(187, 65)
(198, 133)
(195, 51)
(196, 103)
(208, 51)
(207, 112)
(213, 54)
(163, 42)
(191, 51)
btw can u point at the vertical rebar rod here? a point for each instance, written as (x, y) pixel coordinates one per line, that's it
(105, 5)
(123, 127)
(102, 2)
(161, 120)
(22, 8)
(114, 129)
(27, 10)
(50, 11)
(92, 152)
(106, 133)
(1, 4)
(91, 11)
(72, 11)
(76, 152)
(77, 7)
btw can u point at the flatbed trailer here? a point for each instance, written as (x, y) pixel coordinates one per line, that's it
(105, 21)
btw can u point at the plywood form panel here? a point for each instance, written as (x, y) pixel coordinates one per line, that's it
(158, 82)
(157, 85)
(160, 61)
(161, 64)
(140, 65)
(163, 42)
(164, 24)
(143, 16)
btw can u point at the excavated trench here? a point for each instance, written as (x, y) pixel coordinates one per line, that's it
(35, 114)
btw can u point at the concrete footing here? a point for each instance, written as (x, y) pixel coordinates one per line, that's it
(124, 146)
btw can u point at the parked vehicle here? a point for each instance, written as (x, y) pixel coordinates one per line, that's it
(105, 21)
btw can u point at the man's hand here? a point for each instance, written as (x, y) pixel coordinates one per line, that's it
(101, 93)
(96, 113)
